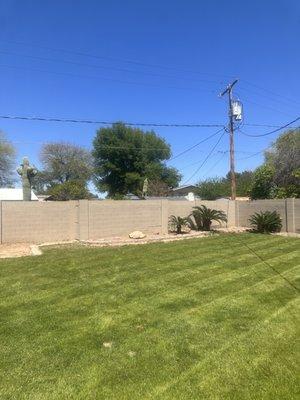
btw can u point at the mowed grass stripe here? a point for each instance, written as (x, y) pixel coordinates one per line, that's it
(180, 268)
(188, 288)
(232, 348)
(202, 318)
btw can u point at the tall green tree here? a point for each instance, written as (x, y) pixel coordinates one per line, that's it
(125, 156)
(263, 186)
(279, 176)
(63, 163)
(284, 158)
(244, 181)
(7, 162)
(215, 188)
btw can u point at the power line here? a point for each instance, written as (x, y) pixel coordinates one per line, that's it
(184, 125)
(198, 162)
(102, 67)
(195, 145)
(135, 62)
(216, 163)
(265, 125)
(273, 131)
(271, 92)
(272, 99)
(106, 79)
(206, 158)
(86, 121)
(252, 155)
(134, 148)
(245, 99)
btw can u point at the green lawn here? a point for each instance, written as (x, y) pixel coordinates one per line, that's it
(197, 319)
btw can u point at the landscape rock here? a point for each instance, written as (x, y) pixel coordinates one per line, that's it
(137, 235)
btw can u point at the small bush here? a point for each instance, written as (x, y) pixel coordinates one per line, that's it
(202, 217)
(177, 223)
(70, 190)
(266, 222)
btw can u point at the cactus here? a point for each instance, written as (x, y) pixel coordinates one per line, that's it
(27, 173)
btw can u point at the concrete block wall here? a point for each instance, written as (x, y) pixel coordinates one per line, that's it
(293, 215)
(289, 210)
(38, 222)
(116, 218)
(184, 208)
(227, 206)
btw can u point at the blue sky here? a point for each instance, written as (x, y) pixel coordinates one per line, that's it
(181, 53)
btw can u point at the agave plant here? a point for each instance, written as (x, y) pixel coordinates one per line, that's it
(202, 217)
(266, 221)
(177, 223)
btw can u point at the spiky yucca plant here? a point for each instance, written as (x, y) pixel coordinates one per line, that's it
(177, 223)
(266, 221)
(201, 218)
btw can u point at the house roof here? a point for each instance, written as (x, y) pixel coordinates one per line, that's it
(183, 187)
(14, 194)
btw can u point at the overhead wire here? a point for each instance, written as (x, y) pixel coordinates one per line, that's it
(252, 155)
(247, 100)
(135, 62)
(196, 145)
(272, 99)
(103, 67)
(265, 125)
(273, 131)
(108, 79)
(87, 121)
(198, 162)
(206, 158)
(127, 147)
(216, 163)
(270, 91)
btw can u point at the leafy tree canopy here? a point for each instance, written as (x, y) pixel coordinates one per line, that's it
(7, 162)
(284, 158)
(70, 190)
(215, 188)
(61, 163)
(158, 188)
(279, 176)
(263, 183)
(125, 156)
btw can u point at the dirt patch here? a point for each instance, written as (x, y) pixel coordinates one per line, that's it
(233, 229)
(15, 250)
(25, 249)
(124, 241)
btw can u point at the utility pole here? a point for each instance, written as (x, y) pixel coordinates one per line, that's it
(231, 137)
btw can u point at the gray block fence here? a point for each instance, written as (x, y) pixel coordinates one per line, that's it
(39, 222)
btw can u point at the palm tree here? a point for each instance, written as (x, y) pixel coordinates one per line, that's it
(201, 218)
(176, 223)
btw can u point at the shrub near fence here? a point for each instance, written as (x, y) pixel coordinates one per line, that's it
(37, 222)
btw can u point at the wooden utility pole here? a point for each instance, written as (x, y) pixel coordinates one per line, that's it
(231, 137)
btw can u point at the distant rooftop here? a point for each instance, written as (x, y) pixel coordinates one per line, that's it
(183, 187)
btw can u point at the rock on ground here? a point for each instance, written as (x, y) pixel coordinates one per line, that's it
(137, 235)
